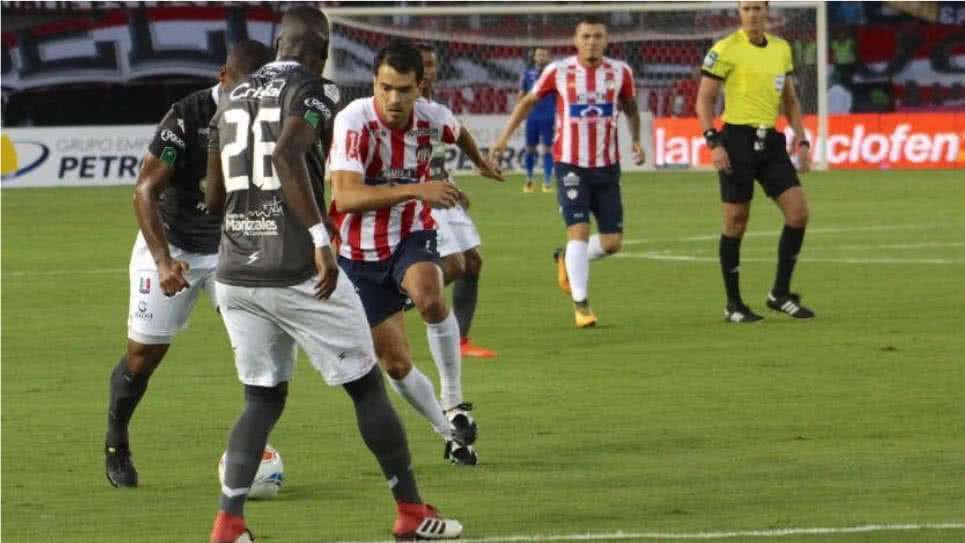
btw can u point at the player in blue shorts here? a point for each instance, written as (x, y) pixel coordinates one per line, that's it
(539, 124)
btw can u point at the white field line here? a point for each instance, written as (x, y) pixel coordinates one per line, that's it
(64, 272)
(666, 256)
(777, 532)
(776, 233)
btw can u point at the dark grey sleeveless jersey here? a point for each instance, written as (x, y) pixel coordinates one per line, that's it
(263, 244)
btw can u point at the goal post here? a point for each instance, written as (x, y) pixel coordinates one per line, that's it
(484, 49)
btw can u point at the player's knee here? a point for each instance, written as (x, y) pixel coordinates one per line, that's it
(473, 262)
(144, 359)
(432, 308)
(454, 266)
(611, 245)
(396, 366)
(798, 218)
(735, 224)
(275, 395)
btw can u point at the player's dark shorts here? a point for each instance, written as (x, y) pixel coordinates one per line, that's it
(539, 131)
(379, 284)
(581, 191)
(771, 166)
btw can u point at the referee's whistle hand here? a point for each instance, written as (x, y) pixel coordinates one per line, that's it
(720, 159)
(803, 155)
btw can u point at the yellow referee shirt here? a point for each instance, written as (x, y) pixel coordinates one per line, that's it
(753, 77)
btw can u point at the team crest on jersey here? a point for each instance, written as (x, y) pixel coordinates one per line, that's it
(710, 60)
(423, 153)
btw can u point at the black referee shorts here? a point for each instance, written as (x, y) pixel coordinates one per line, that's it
(771, 166)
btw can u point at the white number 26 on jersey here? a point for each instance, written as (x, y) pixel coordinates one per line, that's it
(263, 175)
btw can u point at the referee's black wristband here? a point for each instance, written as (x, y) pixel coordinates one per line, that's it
(804, 143)
(713, 137)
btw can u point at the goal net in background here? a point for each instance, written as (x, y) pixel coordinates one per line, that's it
(483, 51)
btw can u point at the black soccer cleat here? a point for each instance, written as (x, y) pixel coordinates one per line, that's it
(120, 469)
(790, 303)
(740, 313)
(462, 455)
(464, 427)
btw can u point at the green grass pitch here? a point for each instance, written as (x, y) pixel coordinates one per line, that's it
(664, 419)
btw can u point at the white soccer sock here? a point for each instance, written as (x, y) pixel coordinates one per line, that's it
(444, 345)
(594, 250)
(417, 389)
(577, 268)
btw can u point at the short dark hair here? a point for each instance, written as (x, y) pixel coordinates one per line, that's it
(590, 20)
(402, 56)
(247, 56)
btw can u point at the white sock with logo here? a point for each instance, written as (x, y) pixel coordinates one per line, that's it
(444, 345)
(594, 250)
(577, 268)
(417, 389)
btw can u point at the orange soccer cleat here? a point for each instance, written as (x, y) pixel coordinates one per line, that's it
(418, 521)
(230, 528)
(471, 350)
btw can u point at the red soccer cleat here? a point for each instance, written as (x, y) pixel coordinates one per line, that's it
(230, 528)
(468, 349)
(417, 521)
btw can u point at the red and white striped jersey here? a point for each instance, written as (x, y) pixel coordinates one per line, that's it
(587, 109)
(362, 143)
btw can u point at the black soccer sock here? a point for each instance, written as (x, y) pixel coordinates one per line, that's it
(730, 258)
(246, 443)
(465, 292)
(126, 391)
(384, 435)
(787, 251)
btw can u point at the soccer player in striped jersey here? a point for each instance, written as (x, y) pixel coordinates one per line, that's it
(382, 205)
(591, 91)
(456, 235)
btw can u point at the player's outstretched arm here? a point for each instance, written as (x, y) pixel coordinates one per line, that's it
(792, 109)
(288, 157)
(522, 110)
(467, 144)
(153, 178)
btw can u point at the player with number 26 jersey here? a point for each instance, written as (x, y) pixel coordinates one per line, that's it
(263, 244)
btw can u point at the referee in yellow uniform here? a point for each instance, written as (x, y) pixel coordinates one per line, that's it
(755, 69)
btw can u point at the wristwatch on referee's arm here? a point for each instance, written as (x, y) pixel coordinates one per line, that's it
(712, 136)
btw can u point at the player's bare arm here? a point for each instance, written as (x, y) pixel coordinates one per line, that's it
(520, 112)
(706, 98)
(467, 144)
(214, 193)
(792, 109)
(632, 110)
(352, 195)
(296, 138)
(153, 178)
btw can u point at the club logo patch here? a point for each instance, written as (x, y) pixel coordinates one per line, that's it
(571, 180)
(711, 59)
(145, 285)
(572, 194)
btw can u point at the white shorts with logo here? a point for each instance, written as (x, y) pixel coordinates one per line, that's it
(154, 318)
(455, 231)
(266, 324)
